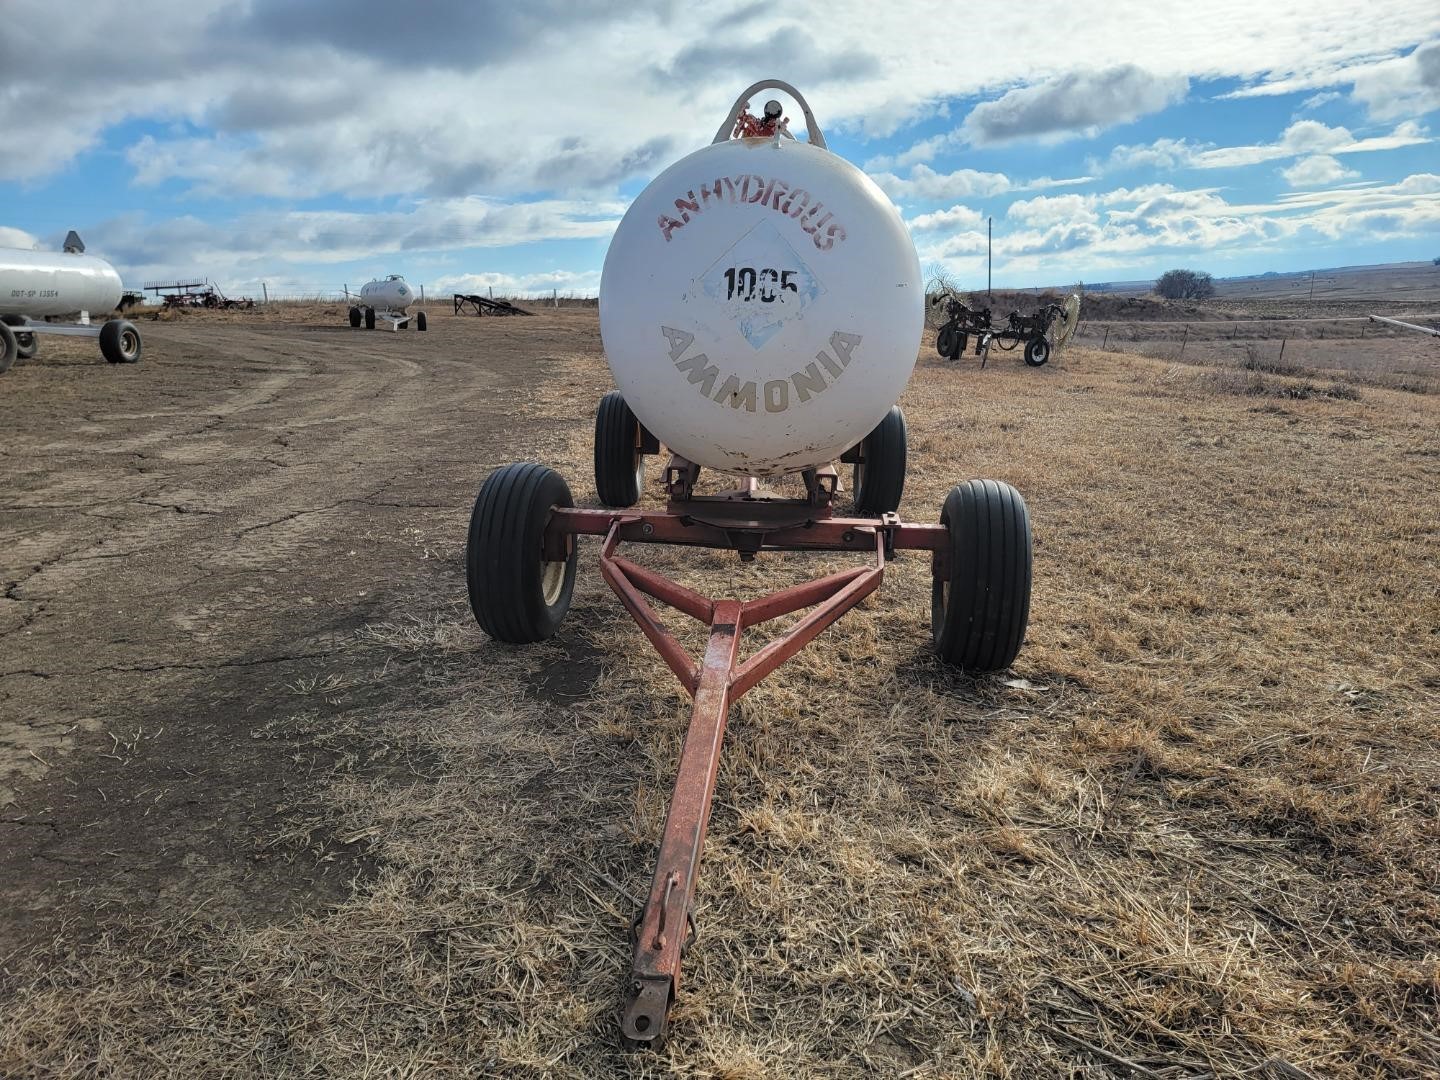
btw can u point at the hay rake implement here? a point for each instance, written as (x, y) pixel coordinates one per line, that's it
(1043, 332)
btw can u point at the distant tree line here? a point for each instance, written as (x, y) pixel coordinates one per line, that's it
(1185, 285)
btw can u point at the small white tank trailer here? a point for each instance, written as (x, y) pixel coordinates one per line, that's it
(386, 301)
(37, 286)
(761, 309)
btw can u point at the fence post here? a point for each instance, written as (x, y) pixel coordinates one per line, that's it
(492, 292)
(1282, 349)
(1183, 339)
(1106, 342)
(555, 298)
(422, 294)
(265, 293)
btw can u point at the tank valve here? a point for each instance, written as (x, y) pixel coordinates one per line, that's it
(761, 127)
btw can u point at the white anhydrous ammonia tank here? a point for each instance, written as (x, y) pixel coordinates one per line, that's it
(51, 283)
(761, 306)
(392, 294)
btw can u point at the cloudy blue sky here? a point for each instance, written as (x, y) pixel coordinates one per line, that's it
(473, 144)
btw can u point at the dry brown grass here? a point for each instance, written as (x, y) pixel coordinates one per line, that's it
(1193, 833)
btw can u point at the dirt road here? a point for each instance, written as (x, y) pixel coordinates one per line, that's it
(186, 546)
(1193, 828)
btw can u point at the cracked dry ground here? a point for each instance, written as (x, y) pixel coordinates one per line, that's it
(187, 548)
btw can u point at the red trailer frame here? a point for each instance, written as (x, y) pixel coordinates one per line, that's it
(520, 566)
(748, 525)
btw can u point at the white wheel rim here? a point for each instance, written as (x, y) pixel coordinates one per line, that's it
(552, 581)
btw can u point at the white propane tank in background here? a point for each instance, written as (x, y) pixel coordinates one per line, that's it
(761, 306)
(392, 294)
(41, 284)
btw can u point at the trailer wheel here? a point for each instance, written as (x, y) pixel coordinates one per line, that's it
(979, 610)
(420, 321)
(879, 476)
(515, 594)
(354, 315)
(26, 346)
(945, 343)
(369, 318)
(1037, 351)
(9, 350)
(120, 342)
(619, 462)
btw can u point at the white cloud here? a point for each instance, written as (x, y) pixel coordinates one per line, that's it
(1119, 227)
(543, 282)
(1317, 171)
(1311, 136)
(1408, 86)
(1302, 138)
(1161, 154)
(1044, 210)
(345, 97)
(243, 247)
(1389, 86)
(924, 184)
(956, 218)
(922, 151)
(1079, 102)
(1314, 101)
(1419, 184)
(16, 238)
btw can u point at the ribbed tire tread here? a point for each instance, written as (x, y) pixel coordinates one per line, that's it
(879, 486)
(616, 432)
(981, 624)
(503, 566)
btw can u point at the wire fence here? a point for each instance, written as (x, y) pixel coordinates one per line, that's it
(1356, 347)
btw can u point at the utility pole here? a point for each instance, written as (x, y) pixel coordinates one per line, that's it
(989, 232)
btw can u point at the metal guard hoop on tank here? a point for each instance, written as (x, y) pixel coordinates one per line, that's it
(811, 127)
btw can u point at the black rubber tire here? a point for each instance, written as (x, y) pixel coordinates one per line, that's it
(514, 594)
(1037, 351)
(9, 350)
(369, 318)
(420, 321)
(978, 617)
(26, 346)
(354, 316)
(879, 477)
(619, 464)
(120, 342)
(945, 343)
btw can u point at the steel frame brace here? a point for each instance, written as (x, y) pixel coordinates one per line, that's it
(664, 927)
(745, 526)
